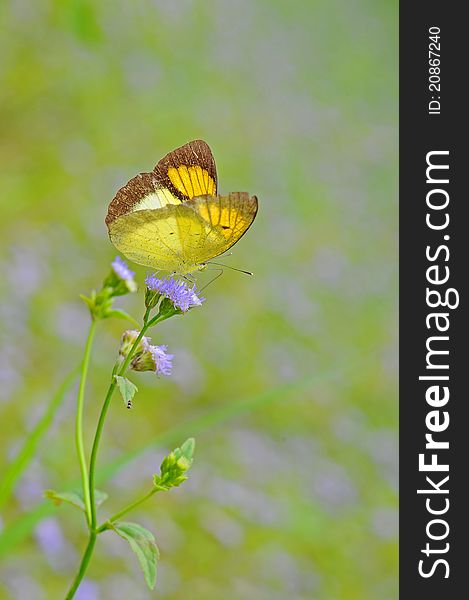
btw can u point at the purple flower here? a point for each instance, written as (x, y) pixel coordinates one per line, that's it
(123, 272)
(121, 269)
(153, 358)
(163, 361)
(177, 292)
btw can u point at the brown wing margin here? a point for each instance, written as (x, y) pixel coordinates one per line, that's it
(133, 191)
(196, 152)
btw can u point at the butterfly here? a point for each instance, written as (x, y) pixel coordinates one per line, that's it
(172, 218)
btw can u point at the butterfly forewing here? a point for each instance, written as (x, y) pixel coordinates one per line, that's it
(182, 174)
(188, 171)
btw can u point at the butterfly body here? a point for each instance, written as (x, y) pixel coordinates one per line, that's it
(172, 218)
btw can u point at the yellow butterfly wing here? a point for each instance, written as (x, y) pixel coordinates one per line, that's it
(188, 171)
(182, 237)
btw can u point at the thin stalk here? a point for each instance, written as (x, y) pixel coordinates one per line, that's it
(102, 418)
(20, 528)
(127, 509)
(83, 566)
(94, 452)
(79, 422)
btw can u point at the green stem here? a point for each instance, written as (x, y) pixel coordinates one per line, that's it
(99, 428)
(127, 509)
(94, 451)
(17, 530)
(83, 566)
(102, 417)
(22, 459)
(79, 422)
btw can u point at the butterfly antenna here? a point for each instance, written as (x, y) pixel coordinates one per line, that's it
(232, 268)
(212, 280)
(189, 278)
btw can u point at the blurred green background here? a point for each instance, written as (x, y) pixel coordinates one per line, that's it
(287, 379)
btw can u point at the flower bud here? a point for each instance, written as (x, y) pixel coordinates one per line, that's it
(151, 298)
(120, 280)
(175, 465)
(128, 340)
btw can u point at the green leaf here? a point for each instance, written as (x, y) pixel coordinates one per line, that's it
(121, 314)
(74, 498)
(187, 449)
(143, 545)
(20, 528)
(100, 497)
(88, 301)
(126, 388)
